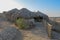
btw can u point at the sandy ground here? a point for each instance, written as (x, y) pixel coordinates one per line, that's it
(37, 33)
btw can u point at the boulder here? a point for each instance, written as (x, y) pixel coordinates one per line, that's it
(10, 33)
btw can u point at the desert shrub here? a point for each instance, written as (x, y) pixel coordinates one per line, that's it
(21, 23)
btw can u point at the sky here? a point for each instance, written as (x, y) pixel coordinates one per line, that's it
(49, 7)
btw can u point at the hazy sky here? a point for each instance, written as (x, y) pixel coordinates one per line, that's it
(49, 7)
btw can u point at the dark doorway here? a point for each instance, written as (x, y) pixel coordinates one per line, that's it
(18, 18)
(38, 19)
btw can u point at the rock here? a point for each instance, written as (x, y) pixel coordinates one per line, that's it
(55, 35)
(31, 23)
(9, 33)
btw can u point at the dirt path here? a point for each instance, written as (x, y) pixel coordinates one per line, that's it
(38, 33)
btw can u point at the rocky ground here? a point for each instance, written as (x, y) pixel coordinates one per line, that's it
(8, 31)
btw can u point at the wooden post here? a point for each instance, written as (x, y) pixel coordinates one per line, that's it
(49, 27)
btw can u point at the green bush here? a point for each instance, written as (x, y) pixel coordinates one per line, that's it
(21, 23)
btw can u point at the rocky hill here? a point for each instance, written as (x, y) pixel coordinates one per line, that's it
(8, 31)
(25, 13)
